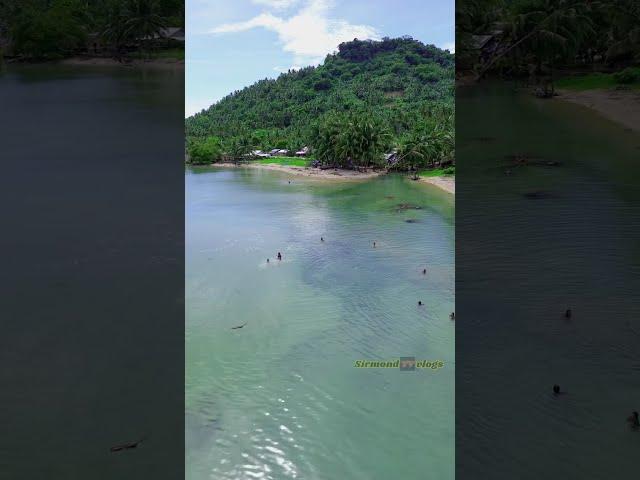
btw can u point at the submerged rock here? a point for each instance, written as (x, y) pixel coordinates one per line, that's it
(538, 194)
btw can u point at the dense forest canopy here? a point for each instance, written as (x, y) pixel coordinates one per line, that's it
(364, 100)
(516, 36)
(56, 28)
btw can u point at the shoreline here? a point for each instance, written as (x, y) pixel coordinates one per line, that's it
(447, 184)
(620, 106)
(112, 62)
(315, 173)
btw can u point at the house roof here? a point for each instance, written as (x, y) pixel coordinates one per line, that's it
(175, 33)
(479, 41)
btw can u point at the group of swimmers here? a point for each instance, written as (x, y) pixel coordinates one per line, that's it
(279, 257)
(452, 316)
(633, 419)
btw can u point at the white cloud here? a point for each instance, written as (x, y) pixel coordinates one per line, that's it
(277, 4)
(309, 35)
(451, 46)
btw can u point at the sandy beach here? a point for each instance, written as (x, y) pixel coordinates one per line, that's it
(316, 173)
(621, 106)
(448, 183)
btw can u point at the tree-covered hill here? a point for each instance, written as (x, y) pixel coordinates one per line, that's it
(364, 100)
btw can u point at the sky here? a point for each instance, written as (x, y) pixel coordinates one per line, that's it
(233, 43)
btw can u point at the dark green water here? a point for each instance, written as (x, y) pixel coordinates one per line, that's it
(521, 261)
(280, 398)
(91, 201)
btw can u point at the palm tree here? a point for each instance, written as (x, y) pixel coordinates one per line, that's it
(362, 140)
(114, 32)
(425, 148)
(624, 31)
(547, 28)
(144, 21)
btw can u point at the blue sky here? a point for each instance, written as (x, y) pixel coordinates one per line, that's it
(231, 44)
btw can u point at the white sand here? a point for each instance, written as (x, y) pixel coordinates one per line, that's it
(329, 174)
(448, 183)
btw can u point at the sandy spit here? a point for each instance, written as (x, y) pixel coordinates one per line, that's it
(448, 183)
(621, 106)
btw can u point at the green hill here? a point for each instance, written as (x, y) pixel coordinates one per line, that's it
(369, 97)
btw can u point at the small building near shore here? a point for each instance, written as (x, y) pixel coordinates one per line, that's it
(173, 33)
(279, 152)
(303, 152)
(391, 158)
(260, 154)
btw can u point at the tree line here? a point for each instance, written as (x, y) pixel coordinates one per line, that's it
(538, 36)
(44, 29)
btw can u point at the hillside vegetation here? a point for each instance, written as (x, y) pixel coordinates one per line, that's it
(544, 38)
(365, 100)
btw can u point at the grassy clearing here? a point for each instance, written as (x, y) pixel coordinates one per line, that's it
(286, 161)
(593, 81)
(438, 172)
(587, 82)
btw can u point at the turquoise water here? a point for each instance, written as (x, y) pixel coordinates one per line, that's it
(280, 398)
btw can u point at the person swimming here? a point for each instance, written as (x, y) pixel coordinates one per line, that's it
(567, 314)
(420, 303)
(374, 244)
(279, 256)
(267, 260)
(634, 420)
(452, 315)
(322, 239)
(424, 271)
(556, 390)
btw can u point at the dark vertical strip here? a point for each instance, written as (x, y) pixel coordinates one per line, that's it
(92, 276)
(548, 220)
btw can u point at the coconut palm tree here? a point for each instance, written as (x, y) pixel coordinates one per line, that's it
(114, 32)
(549, 29)
(144, 21)
(362, 140)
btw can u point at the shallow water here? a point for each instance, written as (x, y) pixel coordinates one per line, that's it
(280, 398)
(522, 260)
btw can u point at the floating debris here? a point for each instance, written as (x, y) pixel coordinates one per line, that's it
(126, 446)
(239, 326)
(407, 206)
